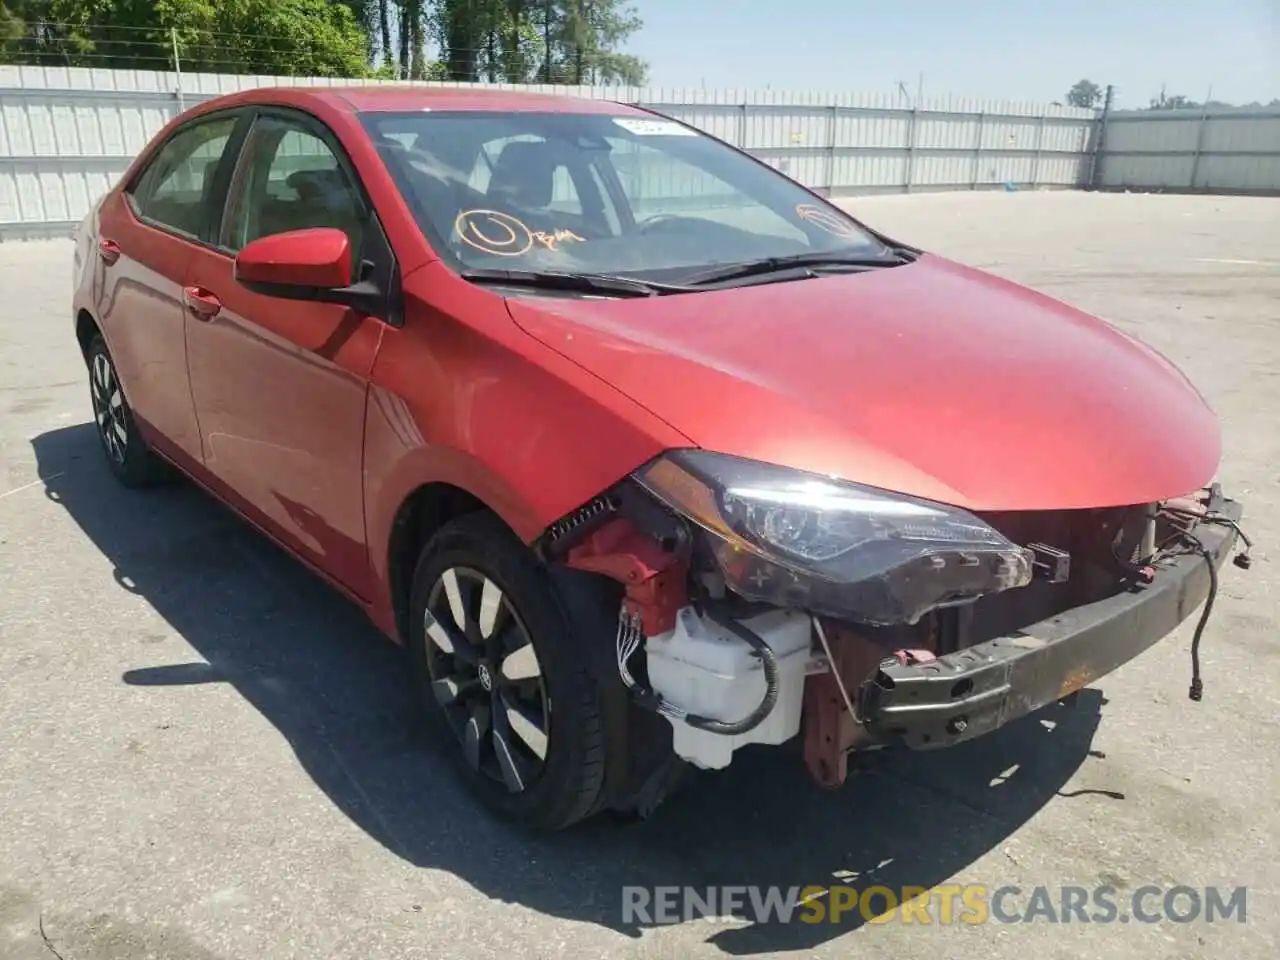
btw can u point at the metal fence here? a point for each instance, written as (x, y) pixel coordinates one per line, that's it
(66, 135)
(1222, 151)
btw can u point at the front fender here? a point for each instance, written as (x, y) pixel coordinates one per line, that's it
(482, 406)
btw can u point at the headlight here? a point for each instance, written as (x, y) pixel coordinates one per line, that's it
(795, 539)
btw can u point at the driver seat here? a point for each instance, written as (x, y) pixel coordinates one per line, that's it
(524, 175)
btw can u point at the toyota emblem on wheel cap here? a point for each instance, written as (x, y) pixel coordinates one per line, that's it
(486, 681)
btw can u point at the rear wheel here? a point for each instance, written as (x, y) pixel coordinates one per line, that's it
(502, 676)
(127, 454)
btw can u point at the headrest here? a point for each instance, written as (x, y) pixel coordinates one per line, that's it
(525, 173)
(314, 184)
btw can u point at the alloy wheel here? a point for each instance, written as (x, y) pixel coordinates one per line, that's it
(108, 408)
(486, 677)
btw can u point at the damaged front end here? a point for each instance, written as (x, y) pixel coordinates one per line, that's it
(759, 602)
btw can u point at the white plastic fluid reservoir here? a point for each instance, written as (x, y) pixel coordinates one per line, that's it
(706, 669)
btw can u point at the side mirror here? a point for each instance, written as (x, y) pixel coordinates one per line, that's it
(312, 264)
(316, 259)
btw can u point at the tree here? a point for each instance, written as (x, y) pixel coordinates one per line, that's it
(520, 41)
(1085, 94)
(291, 37)
(384, 30)
(552, 41)
(591, 32)
(611, 24)
(1166, 102)
(365, 14)
(11, 27)
(461, 27)
(512, 41)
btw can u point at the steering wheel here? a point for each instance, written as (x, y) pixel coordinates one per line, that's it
(648, 223)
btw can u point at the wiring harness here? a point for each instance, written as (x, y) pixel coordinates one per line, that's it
(1184, 541)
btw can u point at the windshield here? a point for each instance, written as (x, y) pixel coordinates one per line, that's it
(600, 194)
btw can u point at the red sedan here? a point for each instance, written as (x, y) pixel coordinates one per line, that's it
(642, 450)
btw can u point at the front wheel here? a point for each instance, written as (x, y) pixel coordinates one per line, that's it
(501, 672)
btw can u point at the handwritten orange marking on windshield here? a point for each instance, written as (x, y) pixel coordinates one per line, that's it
(493, 232)
(551, 240)
(826, 220)
(502, 235)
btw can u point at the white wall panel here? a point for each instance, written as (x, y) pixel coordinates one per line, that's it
(1234, 151)
(66, 134)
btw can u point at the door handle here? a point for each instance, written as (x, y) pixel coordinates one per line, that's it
(108, 250)
(200, 303)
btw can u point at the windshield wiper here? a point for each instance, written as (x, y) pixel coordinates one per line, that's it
(798, 261)
(580, 282)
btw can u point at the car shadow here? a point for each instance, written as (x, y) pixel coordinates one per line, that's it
(338, 691)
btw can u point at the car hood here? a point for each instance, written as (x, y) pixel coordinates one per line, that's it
(931, 378)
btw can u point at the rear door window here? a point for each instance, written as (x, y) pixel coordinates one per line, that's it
(176, 190)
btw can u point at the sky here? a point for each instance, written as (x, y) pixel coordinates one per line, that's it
(1007, 49)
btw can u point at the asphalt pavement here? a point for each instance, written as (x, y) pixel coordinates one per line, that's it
(206, 754)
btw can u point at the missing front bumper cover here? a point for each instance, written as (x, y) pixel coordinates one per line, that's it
(975, 690)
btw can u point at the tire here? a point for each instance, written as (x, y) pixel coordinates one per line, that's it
(128, 457)
(502, 676)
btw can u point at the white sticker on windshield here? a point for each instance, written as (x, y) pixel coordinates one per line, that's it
(653, 128)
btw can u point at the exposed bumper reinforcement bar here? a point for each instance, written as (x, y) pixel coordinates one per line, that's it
(973, 691)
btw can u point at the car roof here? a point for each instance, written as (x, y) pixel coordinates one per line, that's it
(375, 98)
